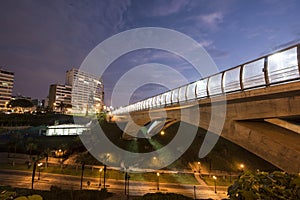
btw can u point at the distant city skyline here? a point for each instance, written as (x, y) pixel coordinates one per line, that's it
(41, 40)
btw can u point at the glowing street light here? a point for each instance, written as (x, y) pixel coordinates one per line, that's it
(199, 166)
(215, 180)
(157, 174)
(39, 165)
(162, 133)
(100, 172)
(242, 166)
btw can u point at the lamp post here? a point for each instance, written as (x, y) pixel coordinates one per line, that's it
(215, 180)
(39, 165)
(104, 176)
(157, 174)
(107, 156)
(199, 166)
(128, 177)
(125, 183)
(100, 171)
(33, 174)
(242, 166)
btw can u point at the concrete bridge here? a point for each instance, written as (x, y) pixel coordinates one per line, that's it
(262, 107)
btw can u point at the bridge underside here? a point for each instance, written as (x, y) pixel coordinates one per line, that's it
(264, 121)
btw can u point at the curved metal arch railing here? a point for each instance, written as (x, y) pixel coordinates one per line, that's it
(277, 68)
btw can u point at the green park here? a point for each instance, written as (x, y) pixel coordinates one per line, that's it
(66, 155)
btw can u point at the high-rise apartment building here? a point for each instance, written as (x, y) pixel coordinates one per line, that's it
(87, 91)
(6, 87)
(60, 97)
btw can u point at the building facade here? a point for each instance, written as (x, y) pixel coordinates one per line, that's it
(87, 91)
(6, 87)
(60, 98)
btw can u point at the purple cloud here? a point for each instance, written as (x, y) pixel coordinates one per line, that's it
(212, 20)
(165, 8)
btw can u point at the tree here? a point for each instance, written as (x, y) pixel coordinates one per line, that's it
(30, 146)
(46, 154)
(264, 185)
(20, 103)
(14, 140)
(102, 116)
(82, 159)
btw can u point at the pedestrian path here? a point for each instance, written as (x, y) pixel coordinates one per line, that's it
(204, 190)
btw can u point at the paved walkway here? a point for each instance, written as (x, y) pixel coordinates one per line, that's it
(209, 191)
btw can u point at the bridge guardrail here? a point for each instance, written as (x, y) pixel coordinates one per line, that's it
(277, 68)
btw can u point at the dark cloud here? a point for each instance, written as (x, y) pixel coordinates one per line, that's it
(40, 40)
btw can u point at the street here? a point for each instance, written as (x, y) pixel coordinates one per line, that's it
(22, 179)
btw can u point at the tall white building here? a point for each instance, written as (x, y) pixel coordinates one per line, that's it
(6, 87)
(87, 91)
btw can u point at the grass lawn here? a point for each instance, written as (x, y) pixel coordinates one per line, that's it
(112, 174)
(220, 181)
(55, 193)
(59, 194)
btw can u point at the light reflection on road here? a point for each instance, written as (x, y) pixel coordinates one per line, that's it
(23, 179)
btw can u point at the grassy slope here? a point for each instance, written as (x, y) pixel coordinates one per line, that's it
(225, 156)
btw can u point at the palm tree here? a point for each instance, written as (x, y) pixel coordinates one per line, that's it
(46, 154)
(85, 158)
(82, 159)
(31, 146)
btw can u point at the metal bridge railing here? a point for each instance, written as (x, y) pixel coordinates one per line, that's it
(277, 68)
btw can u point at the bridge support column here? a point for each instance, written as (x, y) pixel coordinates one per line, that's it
(274, 144)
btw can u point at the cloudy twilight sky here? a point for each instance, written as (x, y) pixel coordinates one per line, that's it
(41, 39)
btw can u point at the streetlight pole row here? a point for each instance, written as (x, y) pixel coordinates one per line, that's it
(39, 165)
(157, 174)
(100, 172)
(127, 177)
(215, 180)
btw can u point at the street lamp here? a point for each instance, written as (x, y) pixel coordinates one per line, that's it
(157, 174)
(125, 183)
(242, 166)
(39, 165)
(162, 133)
(215, 180)
(100, 170)
(104, 176)
(199, 166)
(127, 177)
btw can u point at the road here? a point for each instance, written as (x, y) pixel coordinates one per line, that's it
(22, 179)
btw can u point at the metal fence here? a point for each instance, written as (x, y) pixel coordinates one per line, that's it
(277, 68)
